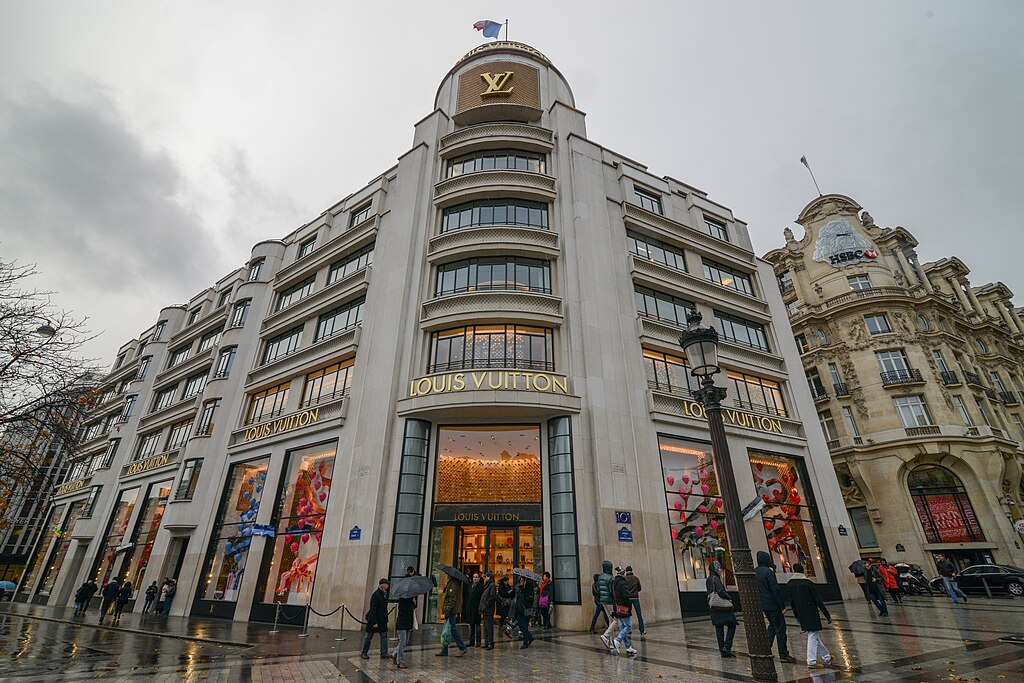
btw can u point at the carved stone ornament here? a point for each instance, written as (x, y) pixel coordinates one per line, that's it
(866, 220)
(788, 234)
(852, 495)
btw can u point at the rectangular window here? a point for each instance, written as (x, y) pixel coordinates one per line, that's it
(209, 340)
(815, 384)
(240, 313)
(877, 324)
(267, 404)
(498, 273)
(492, 346)
(289, 567)
(359, 215)
(1019, 425)
(412, 489)
(862, 527)
(143, 367)
(282, 345)
(961, 408)
(195, 384)
(727, 277)
(350, 265)
(129, 405)
(561, 484)
(741, 331)
(940, 362)
(892, 361)
(828, 425)
(661, 306)
(859, 282)
(997, 382)
(115, 536)
(159, 331)
(833, 371)
(148, 445)
(108, 456)
(139, 351)
(912, 411)
(224, 362)
(179, 434)
(295, 293)
(786, 282)
(164, 398)
(648, 200)
(306, 248)
(656, 250)
(801, 343)
(327, 384)
(189, 479)
(223, 299)
(143, 537)
(232, 531)
(983, 409)
(342, 318)
(669, 373)
(206, 418)
(179, 354)
(851, 424)
(757, 394)
(255, 268)
(194, 316)
(716, 229)
(496, 160)
(90, 502)
(495, 212)
(119, 362)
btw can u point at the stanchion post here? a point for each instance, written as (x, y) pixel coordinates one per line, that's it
(305, 622)
(988, 592)
(341, 627)
(277, 613)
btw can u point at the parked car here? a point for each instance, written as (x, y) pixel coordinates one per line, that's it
(999, 577)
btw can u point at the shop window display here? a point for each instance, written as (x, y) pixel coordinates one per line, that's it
(146, 530)
(943, 507)
(109, 555)
(232, 533)
(789, 517)
(60, 550)
(299, 520)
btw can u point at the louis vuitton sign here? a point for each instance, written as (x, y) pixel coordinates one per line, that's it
(492, 83)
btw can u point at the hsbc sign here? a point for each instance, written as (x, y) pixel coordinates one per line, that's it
(855, 256)
(840, 245)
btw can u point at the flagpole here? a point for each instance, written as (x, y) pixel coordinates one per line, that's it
(506, 29)
(803, 160)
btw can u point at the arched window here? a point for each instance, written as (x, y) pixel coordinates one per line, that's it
(943, 506)
(922, 322)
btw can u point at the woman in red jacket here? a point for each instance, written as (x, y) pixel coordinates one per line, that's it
(889, 576)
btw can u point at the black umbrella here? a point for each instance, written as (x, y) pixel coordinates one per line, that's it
(409, 586)
(453, 572)
(533, 576)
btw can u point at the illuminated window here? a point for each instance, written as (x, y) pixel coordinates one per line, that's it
(669, 373)
(758, 394)
(943, 507)
(268, 403)
(492, 346)
(327, 384)
(728, 277)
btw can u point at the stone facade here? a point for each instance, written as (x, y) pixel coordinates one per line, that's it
(918, 379)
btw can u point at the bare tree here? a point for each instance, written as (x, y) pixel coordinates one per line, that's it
(45, 388)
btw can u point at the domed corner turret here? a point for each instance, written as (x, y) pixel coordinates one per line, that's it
(502, 81)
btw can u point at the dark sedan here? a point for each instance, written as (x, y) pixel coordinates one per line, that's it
(999, 577)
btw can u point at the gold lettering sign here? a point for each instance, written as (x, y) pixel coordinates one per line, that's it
(496, 84)
(511, 380)
(284, 424)
(147, 464)
(735, 417)
(70, 486)
(503, 44)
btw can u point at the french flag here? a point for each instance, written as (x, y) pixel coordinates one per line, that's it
(491, 29)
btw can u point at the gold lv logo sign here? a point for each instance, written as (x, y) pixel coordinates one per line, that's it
(496, 84)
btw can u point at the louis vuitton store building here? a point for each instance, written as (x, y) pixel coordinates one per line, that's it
(473, 361)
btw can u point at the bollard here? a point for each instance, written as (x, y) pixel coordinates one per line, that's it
(305, 622)
(987, 591)
(277, 613)
(341, 627)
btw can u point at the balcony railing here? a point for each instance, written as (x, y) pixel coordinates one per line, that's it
(511, 364)
(928, 430)
(972, 378)
(949, 378)
(1008, 397)
(991, 393)
(841, 389)
(819, 394)
(908, 376)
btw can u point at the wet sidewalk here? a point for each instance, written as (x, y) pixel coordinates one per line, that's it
(926, 639)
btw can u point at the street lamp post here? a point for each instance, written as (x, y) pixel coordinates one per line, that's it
(700, 344)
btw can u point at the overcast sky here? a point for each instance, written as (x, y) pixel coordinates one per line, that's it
(144, 147)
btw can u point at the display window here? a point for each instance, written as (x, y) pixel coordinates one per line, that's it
(146, 529)
(114, 548)
(943, 507)
(51, 569)
(290, 569)
(45, 533)
(232, 532)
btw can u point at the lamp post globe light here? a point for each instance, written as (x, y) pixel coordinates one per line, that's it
(700, 345)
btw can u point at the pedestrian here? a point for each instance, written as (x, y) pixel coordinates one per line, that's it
(876, 588)
(377, 620)
(890, 577)
(947, 570)
(803, 596)
(123, 596)
(172, 588)
(476, 589)
(604, 589)
(522, 609)
(151, 594)
(403, 625)
(623, 611)
(774, 605)
(412, 571)
(633, 581)
(859, 571)
(93, 590)
(80, 595)
(488, 596)
(451, 605)
(544, 600)
(598, 610)
(505, 596)
(109, 595)
(162, 595)
(723, 616)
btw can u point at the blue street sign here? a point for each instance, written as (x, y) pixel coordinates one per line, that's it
(625, 535)
(623, 517)
(355, 534)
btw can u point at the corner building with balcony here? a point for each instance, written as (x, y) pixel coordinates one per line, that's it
(502, 387)
(918, 378)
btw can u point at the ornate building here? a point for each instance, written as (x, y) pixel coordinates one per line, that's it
(918, 379)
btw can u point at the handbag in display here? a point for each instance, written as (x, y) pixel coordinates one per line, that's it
(719, 604)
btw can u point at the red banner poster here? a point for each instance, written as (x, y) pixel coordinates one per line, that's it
(949, 520)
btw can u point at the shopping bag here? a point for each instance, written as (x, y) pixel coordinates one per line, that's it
(446, 634)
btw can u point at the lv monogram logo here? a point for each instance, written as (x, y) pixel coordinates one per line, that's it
(496, 84)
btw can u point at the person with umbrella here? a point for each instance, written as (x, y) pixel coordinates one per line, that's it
(405, 591)
(522, 605)
(377, 620)
(451, 605)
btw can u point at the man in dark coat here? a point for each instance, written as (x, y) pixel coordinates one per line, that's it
(876, 589)
(488, 596)
(377, 620)
(604, 592)
(80, 594)
(773, 603)
(476, 589)
(633, 581)
(403, 624)
(859, 571)
(948, 572)
(803, 596)
(124, 595)
(109, 594)
(598, 610)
